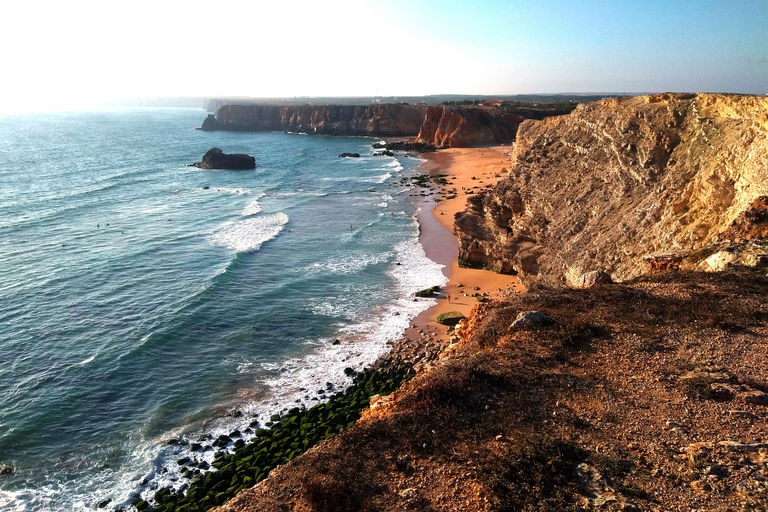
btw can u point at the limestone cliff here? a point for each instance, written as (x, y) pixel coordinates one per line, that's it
(466, 127)
(618, 181)
(439, 126)
(388, 120)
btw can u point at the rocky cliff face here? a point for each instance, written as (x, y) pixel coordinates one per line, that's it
(392, 120)
(437, 126)
(466, 127)
(618, 181)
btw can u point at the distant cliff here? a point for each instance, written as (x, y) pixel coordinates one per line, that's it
(620, 181)
(466, 127)
(440, 126)
(388, 120)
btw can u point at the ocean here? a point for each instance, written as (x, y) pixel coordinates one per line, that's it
(145, 302)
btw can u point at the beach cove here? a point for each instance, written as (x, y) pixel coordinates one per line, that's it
(294, 431)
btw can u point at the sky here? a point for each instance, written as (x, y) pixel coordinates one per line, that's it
(80, 52)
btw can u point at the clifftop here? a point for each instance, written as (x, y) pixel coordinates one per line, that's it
(645, 395)
(619, 181)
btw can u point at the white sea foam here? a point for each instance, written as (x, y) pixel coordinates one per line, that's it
(367, 339)
(377, 179)
(253, 208)
(86, 361)
(231, 190)
(248, 235)
(350, 263)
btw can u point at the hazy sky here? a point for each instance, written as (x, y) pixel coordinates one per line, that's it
(80, 51)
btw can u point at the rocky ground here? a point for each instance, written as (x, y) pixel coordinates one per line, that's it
(646, 395)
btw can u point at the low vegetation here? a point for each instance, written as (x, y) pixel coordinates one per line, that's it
(288, 437)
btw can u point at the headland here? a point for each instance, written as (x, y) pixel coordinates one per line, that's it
(647, 391)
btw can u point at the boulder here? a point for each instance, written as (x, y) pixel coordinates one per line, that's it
(349, 155)
(593, 278)
(6, 470)
(530, 318)
(449, 318)
(215, 158)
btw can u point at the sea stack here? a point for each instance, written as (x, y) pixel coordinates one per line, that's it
(215, 158)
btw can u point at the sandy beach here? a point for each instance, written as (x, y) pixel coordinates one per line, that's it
(467, 171)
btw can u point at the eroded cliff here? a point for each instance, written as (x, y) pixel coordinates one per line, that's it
(439, 126)
(388, 120)
(467, 127)
(618, 181)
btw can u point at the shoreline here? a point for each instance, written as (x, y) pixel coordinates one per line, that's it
(423, 341)
(467, 171)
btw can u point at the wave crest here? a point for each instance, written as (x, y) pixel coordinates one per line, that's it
(248, 235)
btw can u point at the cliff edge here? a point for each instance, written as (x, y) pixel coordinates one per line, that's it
(619, 182)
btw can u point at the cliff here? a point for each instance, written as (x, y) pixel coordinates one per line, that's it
(439, 126)
(618, 182)
(467, 127)
(387, 120)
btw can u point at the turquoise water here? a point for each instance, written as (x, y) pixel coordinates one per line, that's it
(143, 300)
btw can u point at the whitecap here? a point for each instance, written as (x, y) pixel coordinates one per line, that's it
(377, 179)
(248, 235)
(86, 361)
(253, 208)
(231, 190)
(351, 263)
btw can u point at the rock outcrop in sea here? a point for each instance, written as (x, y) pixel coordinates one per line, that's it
(215, 158)
(619, 183)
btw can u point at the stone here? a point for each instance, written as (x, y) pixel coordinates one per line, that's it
(449, 318)
(754, 397)
(215, 158)
(594, 278)
(697, 451)
(701, 375)
(742, 447)
(529, 319)
(741, 414)
(6, 470)
(349, 155)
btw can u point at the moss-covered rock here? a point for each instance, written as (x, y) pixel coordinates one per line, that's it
(290, 436)
(449, 318)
